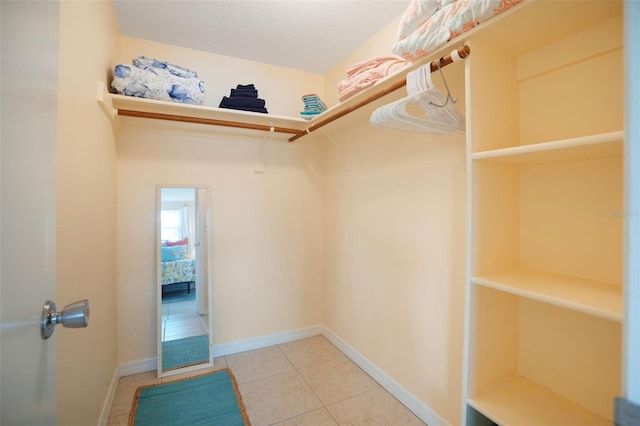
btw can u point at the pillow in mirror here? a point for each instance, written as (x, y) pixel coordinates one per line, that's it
(173, 253)
(181, 242)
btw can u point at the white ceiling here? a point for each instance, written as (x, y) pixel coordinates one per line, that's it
(308, 35)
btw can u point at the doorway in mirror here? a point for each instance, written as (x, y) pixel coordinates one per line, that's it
(184, 329)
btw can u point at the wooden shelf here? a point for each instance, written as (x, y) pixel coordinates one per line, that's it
(581, 148)
(521, 402)
(586, 296)
(149, 108)
(119, 105)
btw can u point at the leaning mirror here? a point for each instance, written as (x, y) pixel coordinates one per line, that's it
(184, 300)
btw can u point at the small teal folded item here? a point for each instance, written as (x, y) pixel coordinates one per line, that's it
(312, 102)
(308, 115)
(313, 106)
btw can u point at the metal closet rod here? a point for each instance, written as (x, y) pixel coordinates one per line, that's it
(463, 52)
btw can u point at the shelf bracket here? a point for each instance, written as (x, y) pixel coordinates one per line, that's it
(347, 155)
(105, 102)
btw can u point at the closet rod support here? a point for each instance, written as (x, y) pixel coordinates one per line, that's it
(463, 51)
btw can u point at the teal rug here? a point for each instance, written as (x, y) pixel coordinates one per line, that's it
(183, 352)
(211, 400)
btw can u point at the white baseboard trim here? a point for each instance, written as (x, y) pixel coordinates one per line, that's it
(150, 364)
(138, 366)
(264, 341)
(108, 402)
(420, 409)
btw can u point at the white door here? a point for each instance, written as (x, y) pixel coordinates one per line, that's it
(29, 84)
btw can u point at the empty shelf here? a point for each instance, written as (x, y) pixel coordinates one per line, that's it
(590, 297)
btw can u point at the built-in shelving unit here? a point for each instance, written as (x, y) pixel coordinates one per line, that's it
(545, 149)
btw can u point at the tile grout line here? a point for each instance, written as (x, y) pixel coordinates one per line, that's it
(310, 388)
(265, 377)
(325, 406)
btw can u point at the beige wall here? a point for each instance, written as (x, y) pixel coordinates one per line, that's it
(280, 87)
(86, 210)
(267, 229)
(395, 248)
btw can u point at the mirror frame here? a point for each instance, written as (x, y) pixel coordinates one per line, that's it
(158, 282)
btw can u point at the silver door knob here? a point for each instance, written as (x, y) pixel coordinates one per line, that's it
(74, 315)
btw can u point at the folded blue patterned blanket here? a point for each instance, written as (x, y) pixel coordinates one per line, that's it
(153, 79)
(161, 66)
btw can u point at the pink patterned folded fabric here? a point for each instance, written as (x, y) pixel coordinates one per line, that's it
(448, 22)
(417, 14)
(366, 73)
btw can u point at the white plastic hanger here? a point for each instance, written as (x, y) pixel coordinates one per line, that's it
(440, 116)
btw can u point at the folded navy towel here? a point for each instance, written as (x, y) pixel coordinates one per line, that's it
(262, 110)
(246, 86)
(242, 102)
(243, 93)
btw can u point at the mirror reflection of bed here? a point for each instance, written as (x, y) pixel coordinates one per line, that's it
(184, 328)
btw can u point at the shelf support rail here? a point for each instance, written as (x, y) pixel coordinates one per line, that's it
(458, 54)
(210, 121)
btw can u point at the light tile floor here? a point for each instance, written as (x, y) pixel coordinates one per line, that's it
(308, 382)
(180, 320)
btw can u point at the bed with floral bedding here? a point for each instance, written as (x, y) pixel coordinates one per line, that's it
(177, 266)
